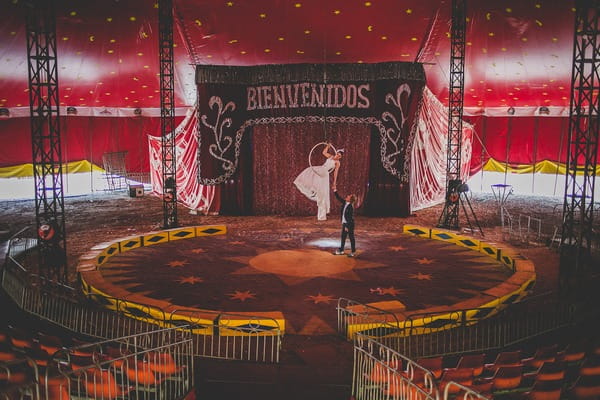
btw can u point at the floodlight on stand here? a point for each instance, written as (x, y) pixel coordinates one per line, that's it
(544, 110)
(137, 111)
(4, 112)
(71, 110)
(510, 111)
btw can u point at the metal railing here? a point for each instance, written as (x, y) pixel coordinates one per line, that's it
(20, 379)
(157, 365)
(354, 317)
(259, 339)
(382, 373)
(461, 392)
(465, 330)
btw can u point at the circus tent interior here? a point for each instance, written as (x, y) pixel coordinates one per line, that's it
(517, 76)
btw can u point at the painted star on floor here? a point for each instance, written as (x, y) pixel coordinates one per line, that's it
(397, 248)
(420, 276)
(425, 260)
(241, 296)
(320, 298)
(177, 263)
(237, 243)
(392, 291)
(192, 280)
(198, 251)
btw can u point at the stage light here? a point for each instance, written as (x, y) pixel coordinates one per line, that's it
(544, 110)
(4, 112)
(137, 111)
(71, 111)
(510, 111)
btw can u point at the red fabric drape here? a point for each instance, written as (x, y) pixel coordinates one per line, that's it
(280, 153)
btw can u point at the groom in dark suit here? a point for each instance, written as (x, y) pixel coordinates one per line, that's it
(347, 222)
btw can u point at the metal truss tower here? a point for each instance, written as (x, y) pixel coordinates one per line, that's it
(449, 217)
(167, 112)
(45, 139)
(578, 211)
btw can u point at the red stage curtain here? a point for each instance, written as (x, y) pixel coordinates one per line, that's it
(281, 152)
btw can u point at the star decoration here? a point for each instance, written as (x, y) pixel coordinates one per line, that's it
(192, 280)
(320, 298)
(420, 276)
(392, 291)
(198, 251)
(242, 296)
(397, 248)
(424, 260)
(179, 263)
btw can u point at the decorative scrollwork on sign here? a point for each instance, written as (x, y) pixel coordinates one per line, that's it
(222, 141)
(392, 141)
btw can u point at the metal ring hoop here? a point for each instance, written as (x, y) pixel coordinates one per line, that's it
(313, 149)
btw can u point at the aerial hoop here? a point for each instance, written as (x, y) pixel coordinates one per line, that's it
(313, 149)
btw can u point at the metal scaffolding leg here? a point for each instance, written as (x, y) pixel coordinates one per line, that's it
(45, 138)
(167, 113)
(578, 212)
(449, 217)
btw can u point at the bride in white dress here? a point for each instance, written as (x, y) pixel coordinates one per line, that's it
(313, 182)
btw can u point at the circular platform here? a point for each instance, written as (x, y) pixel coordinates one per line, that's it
(291, 272)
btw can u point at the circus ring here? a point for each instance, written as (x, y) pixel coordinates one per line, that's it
(290, 280)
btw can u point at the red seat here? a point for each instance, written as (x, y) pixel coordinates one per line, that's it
(550, 371)
(504, 359)
(464, 376)
(587, 387)
(101, 384)
(542, 355)
(506, 378)
(163, 363)
(591, 365)
(433, 364)
(545, 390)
(474, 361)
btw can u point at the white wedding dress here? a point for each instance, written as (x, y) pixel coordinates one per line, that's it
(313, 182)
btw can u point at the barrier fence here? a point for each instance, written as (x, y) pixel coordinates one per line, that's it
(455, 332)
(215, 334)
(382, 373)
(157, 365)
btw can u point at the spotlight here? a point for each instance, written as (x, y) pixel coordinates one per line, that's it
(137, 111)
(4, 112)
(510, 111)
(71, 111)
(544, 110)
